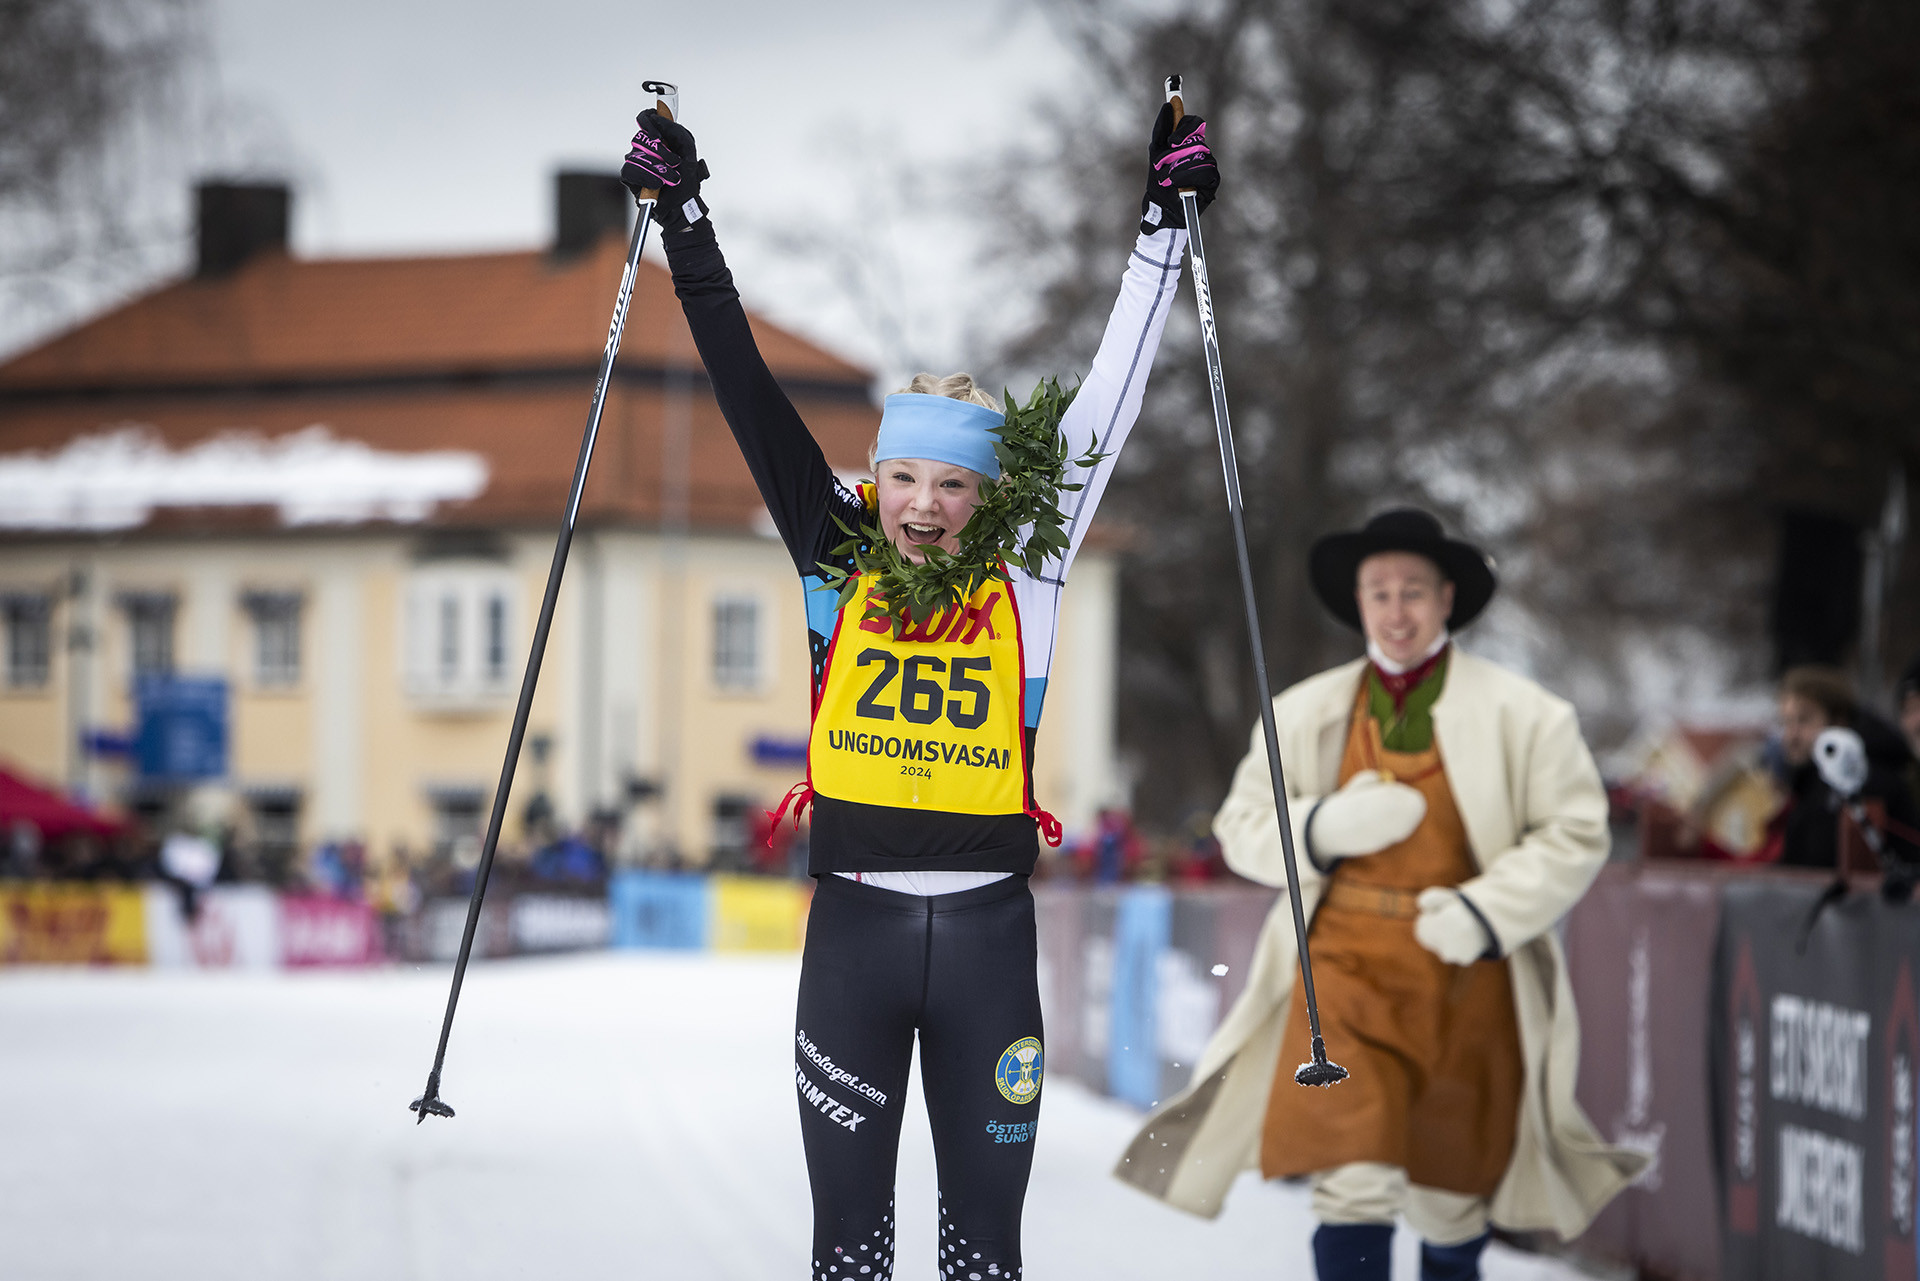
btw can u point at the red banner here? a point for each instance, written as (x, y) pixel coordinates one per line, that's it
(315, 930)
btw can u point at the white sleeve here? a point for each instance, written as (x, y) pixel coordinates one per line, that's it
(1102, 414)
(1108, 403)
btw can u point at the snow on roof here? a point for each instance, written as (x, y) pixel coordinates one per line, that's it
(115, 479)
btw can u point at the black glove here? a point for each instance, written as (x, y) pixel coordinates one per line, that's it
(663, 158)
(1177, 157)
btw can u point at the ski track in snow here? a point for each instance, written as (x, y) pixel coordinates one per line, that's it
(620, 1116)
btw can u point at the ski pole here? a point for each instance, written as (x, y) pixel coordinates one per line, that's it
(1319, 1071)
(429, 1103)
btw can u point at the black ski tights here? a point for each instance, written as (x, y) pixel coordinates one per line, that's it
(959, 970)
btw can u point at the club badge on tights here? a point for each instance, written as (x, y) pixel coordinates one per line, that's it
(1018, 1075)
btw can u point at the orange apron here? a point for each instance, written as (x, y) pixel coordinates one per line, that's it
(1433, 1049)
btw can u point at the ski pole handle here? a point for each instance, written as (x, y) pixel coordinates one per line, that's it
(666, 100)
(1179, 106)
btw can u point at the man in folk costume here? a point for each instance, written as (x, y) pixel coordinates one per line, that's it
(1449, 813)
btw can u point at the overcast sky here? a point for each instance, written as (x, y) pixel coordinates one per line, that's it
(433, 126)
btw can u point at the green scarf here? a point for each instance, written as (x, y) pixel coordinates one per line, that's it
(1411, 728)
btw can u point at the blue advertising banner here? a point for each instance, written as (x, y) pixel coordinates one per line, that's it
(1141, 930)
(182, 733)
(659, 909)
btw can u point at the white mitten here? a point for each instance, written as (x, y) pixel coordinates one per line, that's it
(1366, 816)
(1448, 928)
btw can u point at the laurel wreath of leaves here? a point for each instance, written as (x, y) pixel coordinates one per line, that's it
(1018, 522)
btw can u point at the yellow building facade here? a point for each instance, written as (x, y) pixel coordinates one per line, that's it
(383, 717)
(335, 485)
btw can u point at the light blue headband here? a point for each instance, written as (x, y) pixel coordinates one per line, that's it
(921, 425)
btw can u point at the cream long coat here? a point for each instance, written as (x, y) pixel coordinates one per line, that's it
(1536, 818)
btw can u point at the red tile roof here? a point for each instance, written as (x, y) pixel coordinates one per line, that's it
(280, 317)
(493, 353)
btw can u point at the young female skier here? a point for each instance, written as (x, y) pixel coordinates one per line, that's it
(919, 763)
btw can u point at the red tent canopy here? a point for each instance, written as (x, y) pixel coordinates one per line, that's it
(52, 813)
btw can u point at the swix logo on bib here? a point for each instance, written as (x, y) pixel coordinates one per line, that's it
(928, 717)
(1018, 1075)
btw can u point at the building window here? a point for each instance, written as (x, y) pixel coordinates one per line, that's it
(457, 813)
(150, 625)
(449, 633)
(275, 813)
(732, 832)
(459, 633)
(736, 643)
(496, 637)
(29, 623)
(276, 637)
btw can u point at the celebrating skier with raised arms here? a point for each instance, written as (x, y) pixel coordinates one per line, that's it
(932, 600)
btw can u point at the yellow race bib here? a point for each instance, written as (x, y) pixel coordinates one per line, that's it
(929, 718)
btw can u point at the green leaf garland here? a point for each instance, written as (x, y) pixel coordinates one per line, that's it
(1033, 470)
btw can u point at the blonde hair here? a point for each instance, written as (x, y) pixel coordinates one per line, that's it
(953, 386)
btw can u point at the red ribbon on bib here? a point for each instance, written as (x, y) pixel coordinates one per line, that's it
(800, 795)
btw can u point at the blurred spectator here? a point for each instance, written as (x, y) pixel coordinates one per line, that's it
(1807, 830)
(390, 886)
(24, 844)
(1196, 861)
(1732, 815)
(1193, 854)
(570, 860)
(1115, 852)
(336, 868)
(191, 863)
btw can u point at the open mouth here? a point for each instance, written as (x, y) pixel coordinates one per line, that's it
(921, 535)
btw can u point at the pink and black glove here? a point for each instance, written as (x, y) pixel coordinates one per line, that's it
(663, 158)
(1178, 157)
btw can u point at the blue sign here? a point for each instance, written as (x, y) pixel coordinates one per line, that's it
(108, 742)
(1142, 928)
(773, 750)
(182, 732)
(659, 909)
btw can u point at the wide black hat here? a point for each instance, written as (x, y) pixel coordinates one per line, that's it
(1334, 563)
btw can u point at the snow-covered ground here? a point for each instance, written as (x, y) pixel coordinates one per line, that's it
(620, 1116)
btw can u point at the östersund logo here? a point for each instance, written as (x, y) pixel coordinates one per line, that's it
(1019, 1072)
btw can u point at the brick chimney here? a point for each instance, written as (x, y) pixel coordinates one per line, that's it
(238, 220)
(586, 207)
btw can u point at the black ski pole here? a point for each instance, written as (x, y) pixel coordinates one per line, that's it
(1319, 1071)
(430, 1103)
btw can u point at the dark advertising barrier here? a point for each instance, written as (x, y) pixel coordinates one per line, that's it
(1640, 952)
(1814, 1055)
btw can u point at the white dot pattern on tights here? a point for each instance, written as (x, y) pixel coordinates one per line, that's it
(869, 1261)
(960, 1262)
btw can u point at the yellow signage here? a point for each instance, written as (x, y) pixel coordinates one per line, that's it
(752, 914)
(49, 923)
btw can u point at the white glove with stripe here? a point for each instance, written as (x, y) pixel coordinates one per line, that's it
(1450, 929)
